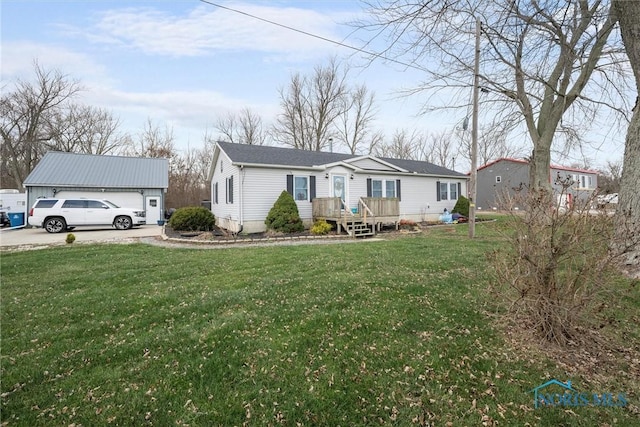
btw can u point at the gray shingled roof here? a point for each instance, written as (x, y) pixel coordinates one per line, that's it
(266, 155)
(88, 170)
(422, 167)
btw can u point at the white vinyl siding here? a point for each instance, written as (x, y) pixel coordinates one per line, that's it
(371, 165)
(262, 186)
(223, 210)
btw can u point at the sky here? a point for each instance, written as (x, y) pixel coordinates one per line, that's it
(185, 63)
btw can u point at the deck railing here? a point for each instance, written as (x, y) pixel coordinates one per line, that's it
(382, 206)
(334, 207)
(326, 207)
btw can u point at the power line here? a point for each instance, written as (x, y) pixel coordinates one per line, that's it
(374, 55)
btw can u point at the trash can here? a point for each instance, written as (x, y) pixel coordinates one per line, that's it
(16, 218)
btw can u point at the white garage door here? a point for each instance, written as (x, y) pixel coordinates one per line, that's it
(131, 199)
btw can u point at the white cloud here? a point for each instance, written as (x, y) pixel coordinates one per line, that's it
(188, 112)
(206, 30)
(18, 61)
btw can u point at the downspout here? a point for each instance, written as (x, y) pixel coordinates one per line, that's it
(241, 201)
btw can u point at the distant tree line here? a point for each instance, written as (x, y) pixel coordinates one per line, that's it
(317, 110)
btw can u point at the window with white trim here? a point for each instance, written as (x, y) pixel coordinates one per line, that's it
(229, 185)
(390, 189)
(583, 181)
(444, 191)
(453, 190)
(448, 190)
(376, 188)
(383, 188)
(301, 187)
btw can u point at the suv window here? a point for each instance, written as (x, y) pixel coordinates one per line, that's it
(95, 204)
(48, 203)
(74, 204)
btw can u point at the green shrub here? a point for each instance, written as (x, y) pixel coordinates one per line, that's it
(284, 216)
(320, 227)
(70, 238)
(462, 206)
(192, 218)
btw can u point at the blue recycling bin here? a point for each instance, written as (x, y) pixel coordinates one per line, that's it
(16, 219)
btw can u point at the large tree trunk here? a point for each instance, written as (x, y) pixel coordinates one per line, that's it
(628, 217)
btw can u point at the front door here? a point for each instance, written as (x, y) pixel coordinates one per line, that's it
(152, 206)
(339, 187)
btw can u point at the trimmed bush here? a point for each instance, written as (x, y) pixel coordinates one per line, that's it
(321, 227)
(462, 206)
(284, 216)
(70, 238)
(192, 218)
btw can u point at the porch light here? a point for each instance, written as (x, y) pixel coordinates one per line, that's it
(326, 175)
(351, 176)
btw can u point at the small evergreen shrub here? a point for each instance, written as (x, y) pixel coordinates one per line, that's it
(70, 238)
(462, 206)
(192, 218)
(284, 216)
(320, 227)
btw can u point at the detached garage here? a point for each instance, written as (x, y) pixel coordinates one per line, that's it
(132, 182)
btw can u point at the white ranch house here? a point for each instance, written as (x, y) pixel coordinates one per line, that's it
(246, 180)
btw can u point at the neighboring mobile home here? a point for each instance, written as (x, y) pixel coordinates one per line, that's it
(501, 179)
(132, 182)
(246, 180)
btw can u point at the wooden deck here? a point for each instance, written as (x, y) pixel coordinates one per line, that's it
(371, 214)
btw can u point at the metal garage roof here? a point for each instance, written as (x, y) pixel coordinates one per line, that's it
(89, 170)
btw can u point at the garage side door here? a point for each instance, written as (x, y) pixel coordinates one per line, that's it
(123, 199)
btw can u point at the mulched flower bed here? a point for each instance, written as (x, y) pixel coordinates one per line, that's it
(224, 236)
(220, 235)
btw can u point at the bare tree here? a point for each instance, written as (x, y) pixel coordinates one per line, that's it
(492, 144)
(310, 107)
(153, 141)
(188, 184)
(86, 129)
(243, 128)
(628, 223)
(545, 64)
(354, 124)
(402, 146)
(609, 178)
(27, 121)
(438, 148)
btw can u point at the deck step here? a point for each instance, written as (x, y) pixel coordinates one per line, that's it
(358, 229)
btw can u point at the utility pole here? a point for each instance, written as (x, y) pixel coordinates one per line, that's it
(473, 181)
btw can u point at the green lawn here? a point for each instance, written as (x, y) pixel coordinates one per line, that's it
(375, 333)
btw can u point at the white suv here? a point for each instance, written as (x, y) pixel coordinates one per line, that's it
(57, 215)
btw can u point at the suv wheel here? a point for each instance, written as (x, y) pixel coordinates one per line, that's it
(123, 223)
(55, 225)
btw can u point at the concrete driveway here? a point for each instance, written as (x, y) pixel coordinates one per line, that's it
(39, 237)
